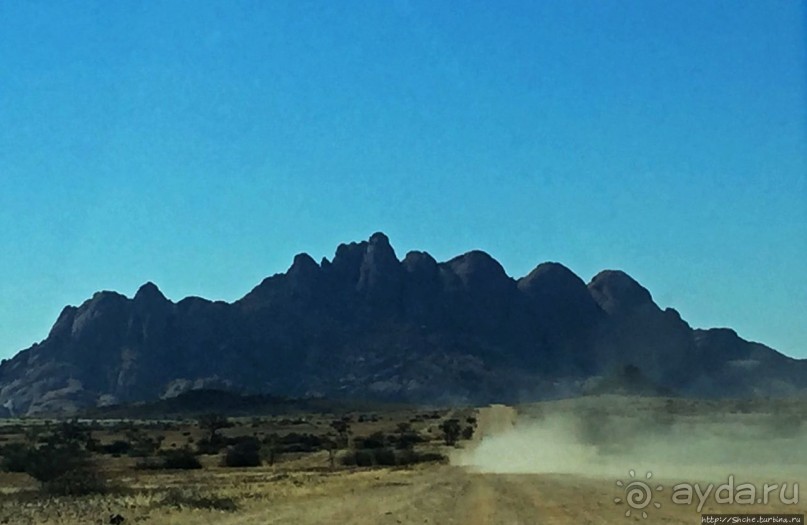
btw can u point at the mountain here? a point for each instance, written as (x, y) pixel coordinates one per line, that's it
(370, 325)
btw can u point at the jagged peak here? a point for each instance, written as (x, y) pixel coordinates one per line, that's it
(349, 256)
(346, 248)
(416, 260)
(64, 322)
(616, 291)
(477, 268)
(379, 238)
(551, 270)
(103, 297)
(476, 261)
(303, 263)
(303, 272)
(149, 292)
(67, 312)
(551, 276)
(380, 266)
(378, 247)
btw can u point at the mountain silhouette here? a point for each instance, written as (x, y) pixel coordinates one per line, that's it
(369, 325)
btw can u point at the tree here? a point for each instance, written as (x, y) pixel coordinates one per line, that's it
(271, 448)
(407, 437)
(451, 431)
(342, 428)
(330, 445)
(212, 423)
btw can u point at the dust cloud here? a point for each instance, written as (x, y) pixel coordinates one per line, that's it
(608, 436)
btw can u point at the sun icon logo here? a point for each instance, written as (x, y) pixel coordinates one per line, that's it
(638, 493)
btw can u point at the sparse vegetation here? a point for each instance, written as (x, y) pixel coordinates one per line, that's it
(60, 461)
(193, 499)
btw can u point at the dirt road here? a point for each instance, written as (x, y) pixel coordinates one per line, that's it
(448, 495)
(453, 496)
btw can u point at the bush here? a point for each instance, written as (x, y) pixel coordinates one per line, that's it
(179, 459)
(451, 431)
(15, 457)
(385, 457)
(388, 457)
(467, 433)
(211, 447)
(49, 462)
(142, 446)
(375, 440)
(363, 457)
(246, 453)
(406, 440)
(61, 464)
(76, 482)
(295, 442)
(61, 469)
(116, 448)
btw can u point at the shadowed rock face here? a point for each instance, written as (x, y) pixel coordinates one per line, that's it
(369, 325)
(618, 294)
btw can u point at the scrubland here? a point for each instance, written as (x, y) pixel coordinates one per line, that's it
(553, 462)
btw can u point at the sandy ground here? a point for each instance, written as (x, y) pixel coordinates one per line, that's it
(452, 495)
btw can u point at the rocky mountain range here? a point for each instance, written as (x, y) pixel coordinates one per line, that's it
(369, 325)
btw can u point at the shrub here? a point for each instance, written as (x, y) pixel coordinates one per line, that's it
(451, 431)
(429, 457)
(116, 448)
(70, 432)
(384, 457)
(374, 440)
(15, 457)
(141, 446)
(361, 458)
(77, 482)
(467, 433)
(49, 462)
(63, 469)
(407, 440)
(179, 459)
(211, 447)
(295, 442)
(246, 453)
(387, 457)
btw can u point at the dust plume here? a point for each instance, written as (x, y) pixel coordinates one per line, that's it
(607, 436)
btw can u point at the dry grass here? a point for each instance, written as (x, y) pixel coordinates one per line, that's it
(214, 494)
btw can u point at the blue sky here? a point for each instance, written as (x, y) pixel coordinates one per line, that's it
(200, 145)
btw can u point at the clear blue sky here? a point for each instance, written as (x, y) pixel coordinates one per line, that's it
(201, 145)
